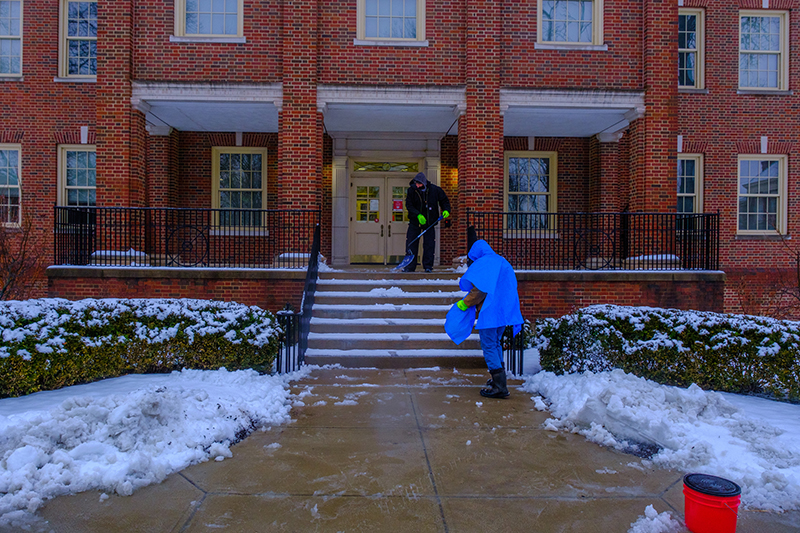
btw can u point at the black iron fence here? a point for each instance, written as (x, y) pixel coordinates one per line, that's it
(296, 324)
(178, 237)
(600, 241)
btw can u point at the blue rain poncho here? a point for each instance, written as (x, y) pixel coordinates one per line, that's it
(495, 276)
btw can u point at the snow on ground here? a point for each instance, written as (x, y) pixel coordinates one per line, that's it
(751, 441)
(124, 433)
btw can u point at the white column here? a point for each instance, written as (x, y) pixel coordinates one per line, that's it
(340, 210)
(433, 170)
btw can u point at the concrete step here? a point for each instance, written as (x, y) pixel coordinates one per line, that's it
(389, 341)
(386, 273)
(387, 297)
(397, 358)
(376, 325)
(366, 285)
(387, 310)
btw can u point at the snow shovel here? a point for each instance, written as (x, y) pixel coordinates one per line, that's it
(409, 254)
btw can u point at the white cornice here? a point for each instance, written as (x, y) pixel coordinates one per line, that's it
(204, 92)
(578, 98)
(338, 94)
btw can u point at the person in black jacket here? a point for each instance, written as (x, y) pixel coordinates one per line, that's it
(423, 200)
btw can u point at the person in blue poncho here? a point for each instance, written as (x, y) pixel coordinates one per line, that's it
(492, 289)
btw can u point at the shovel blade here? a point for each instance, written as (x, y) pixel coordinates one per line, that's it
(404, 263)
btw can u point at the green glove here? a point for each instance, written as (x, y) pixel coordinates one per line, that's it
(421, 219)
(461, 305)
(445, 214)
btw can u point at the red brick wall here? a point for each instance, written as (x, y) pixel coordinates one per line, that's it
(39, 114)
(268, 294)
(723, 124)
(559, 295)
(256, 61)
(618, 68)
(442, 62)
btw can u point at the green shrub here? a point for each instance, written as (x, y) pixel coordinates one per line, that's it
(733, 353)
(52, 343)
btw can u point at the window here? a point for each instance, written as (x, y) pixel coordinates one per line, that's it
(77, 175)
(691, 40)
(239, 184)
(78, 56)
(10, 193)
(570, 21)
(690, 183)
(763, 47)
(762, 194)
(10, 37)
(530, 188)
(209, 18)
(391, 20)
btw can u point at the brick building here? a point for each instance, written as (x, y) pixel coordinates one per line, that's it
(546, 106)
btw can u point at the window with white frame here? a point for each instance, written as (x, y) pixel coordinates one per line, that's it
(10, 37)
(530, 188)
(391, 20)
(763, 50)
(691, 48)
(209, 18)
(570, 21)
(77, 175)
(239, 185)
(690, 183)
(78, 43)
(10, 188)
(762, 194)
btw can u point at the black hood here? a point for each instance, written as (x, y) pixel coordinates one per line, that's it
(420, 177)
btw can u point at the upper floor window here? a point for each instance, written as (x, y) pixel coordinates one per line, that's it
(571, 21)
(78, 57)
(10, 192)
(690, 183)
(691, 48)
(762, 194)
(763, 50)
(209, 18)
(530, 188)
(77, 175)
(10, 37)
(386, 20)
(239, 185)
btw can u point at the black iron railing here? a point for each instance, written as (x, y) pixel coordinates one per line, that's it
(296, 324)
(600, 241)
(177, 237)
(513, 351)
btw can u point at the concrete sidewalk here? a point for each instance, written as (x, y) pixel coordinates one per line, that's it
(400, 450)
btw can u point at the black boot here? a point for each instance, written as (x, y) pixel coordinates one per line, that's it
(499, 388)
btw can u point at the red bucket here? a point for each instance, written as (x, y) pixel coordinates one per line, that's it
(711, 503)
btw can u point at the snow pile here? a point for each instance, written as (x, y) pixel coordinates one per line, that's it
(653, 522)
(684, 429)
(88, 438)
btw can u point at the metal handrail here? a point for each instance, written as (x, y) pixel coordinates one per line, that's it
(296, 324)
(183, 237)
(600, 241)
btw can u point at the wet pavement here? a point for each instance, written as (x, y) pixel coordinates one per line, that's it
(400, 450)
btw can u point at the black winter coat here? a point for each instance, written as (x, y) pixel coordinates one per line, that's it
(425, 202)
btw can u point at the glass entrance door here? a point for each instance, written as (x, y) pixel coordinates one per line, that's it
(378, 219)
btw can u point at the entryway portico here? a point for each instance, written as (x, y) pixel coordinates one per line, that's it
(382, 137)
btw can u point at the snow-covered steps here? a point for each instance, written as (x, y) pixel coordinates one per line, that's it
(387, 321)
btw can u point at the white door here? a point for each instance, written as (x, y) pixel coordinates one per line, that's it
(378, 218)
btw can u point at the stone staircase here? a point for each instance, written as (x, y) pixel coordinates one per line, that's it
(378, 318)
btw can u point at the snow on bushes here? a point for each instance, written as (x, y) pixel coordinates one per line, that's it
(51, 343)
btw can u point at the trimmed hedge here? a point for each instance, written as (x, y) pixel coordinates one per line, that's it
(732, 353)
(52, 343)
